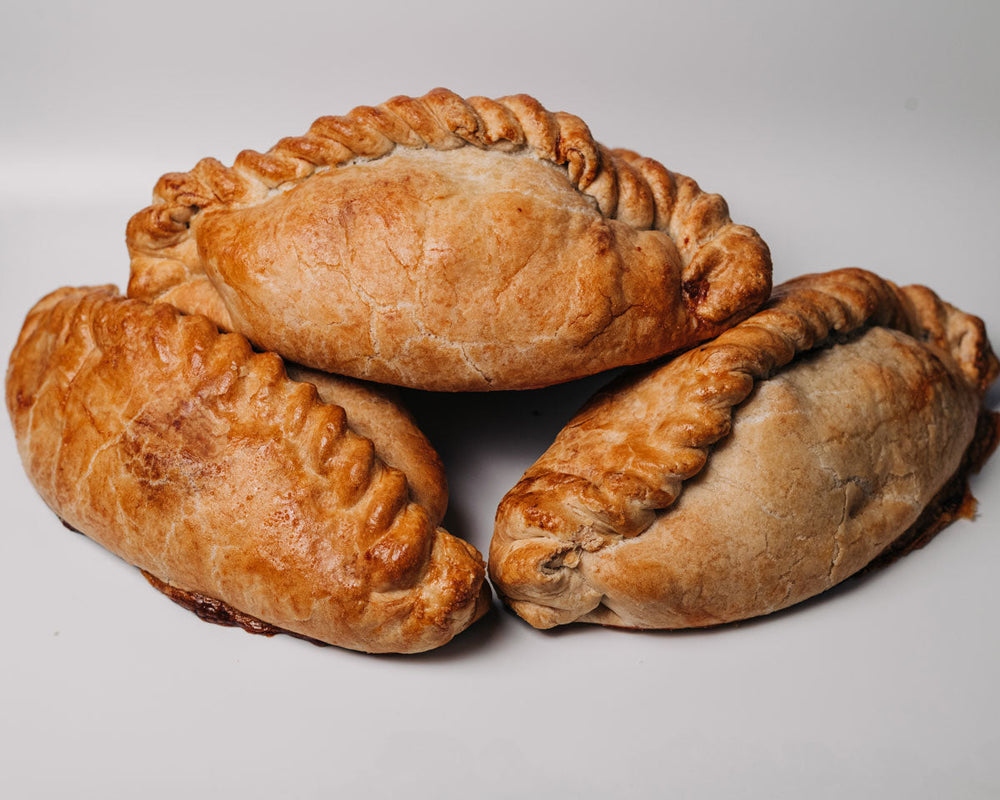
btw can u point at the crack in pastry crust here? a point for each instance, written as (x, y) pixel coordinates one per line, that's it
(212, 244)
(599, 530)
(199, 461)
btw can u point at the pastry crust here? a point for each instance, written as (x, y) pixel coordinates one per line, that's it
(731, 482)
(375, 412)
(450, 244)
(192, 457)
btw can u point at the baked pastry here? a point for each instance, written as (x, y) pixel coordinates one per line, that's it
(238, 491)
(756, 470)
(449, 244)
(376, 413)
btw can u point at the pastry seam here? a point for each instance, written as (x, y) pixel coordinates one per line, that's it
(804, 314)
(634, 190)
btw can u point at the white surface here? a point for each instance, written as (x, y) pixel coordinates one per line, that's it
(848, 135)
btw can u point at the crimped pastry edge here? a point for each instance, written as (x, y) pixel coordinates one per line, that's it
(638, 191)
(561, 507)
(81, 305)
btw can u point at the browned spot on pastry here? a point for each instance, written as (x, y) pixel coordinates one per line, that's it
(695, 290)
(539, 518)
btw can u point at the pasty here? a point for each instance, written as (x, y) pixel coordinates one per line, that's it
(449, 244)
(756, 470)
(243, 494)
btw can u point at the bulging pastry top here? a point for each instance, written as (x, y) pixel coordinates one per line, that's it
(753, 471)
(449, 243)
(204, 464)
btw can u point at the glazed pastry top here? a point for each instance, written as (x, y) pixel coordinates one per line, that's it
(202, 463)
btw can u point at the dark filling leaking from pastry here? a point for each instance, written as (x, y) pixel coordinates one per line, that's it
(210, 609)
(216, 611)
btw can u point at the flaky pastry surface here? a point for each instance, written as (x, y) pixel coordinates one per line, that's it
(751, 472)
(450, 244)
(199, 461)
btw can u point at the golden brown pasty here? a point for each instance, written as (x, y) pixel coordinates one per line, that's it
(449, 244)
(754, 471)
(240, 492)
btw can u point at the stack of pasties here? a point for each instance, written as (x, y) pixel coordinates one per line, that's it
(471, 244)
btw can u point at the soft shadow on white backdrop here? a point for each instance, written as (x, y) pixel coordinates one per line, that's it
(846, 133)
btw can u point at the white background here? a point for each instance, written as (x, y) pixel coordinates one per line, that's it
(847, 133)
